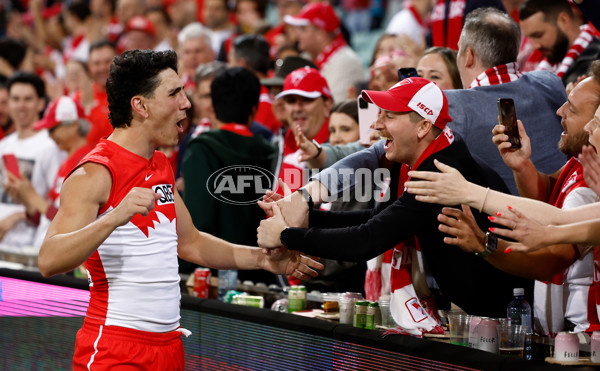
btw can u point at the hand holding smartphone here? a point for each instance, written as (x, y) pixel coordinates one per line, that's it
(406, 72)
(11, 164)
(367, 114)
(508, 118)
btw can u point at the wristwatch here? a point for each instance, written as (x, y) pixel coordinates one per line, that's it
(307, 197)
(491, 244)
(319, 149)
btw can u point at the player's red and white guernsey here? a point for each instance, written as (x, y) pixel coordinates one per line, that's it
(133, 275)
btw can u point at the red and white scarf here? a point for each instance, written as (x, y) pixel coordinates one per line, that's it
(330, 50)
(446, 31)
(422, 22)
(414, 315)
(581, 42)
(497, 75)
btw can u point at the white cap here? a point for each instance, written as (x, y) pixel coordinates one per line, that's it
(519, 291)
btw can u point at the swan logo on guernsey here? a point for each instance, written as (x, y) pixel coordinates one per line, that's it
(166, 191)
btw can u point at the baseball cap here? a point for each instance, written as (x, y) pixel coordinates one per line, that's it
(413, 94)
(306, 82)
(141, 23)
(318, 14)
(61, 109)
(287, 66)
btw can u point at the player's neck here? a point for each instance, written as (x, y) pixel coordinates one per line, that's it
(133, 140)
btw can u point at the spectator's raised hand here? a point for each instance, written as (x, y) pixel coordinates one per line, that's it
(21, 190)
(293, 207)
(270, 230)
(271, 197)
(591, 167)
(448, 187)
(464, 228)
(514, 158)
(530, 234)
(308, 150)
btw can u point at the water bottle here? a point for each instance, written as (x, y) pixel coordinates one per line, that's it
(227, 281)
(518, 312)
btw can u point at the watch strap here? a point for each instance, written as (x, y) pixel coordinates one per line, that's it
(319, 149)
(307, 197)
(491, 244)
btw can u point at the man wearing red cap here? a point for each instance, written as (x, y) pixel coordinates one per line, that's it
(413, 119)
(318, 32)
(139, 34)
(65, 121)
(307, 101)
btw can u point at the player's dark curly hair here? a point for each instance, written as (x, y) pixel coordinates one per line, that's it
(135, 72)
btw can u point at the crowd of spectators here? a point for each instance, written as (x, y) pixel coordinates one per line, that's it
(277, 86)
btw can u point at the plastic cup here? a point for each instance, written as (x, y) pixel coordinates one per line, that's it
(595, 342)
(473, 335)
(459, 328)
(512, 340)
(386, 314)
(566, 347)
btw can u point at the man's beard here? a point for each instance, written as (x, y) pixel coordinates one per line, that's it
(573, 143)
(560, 47)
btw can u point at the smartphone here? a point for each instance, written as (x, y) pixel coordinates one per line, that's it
(406, 72)
(367, 114)
(11, 164)
(508, 118)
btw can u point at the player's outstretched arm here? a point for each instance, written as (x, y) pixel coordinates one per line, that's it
(209, 251)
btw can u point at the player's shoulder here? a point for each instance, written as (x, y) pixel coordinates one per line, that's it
(89, 180)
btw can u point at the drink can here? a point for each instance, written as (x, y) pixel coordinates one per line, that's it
(595, 347)
(249, 301)
(201, 282)
(371, 318)
(229, 295)
(296, 298)
(360, 314)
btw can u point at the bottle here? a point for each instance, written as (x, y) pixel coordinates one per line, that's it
(518, 312)
(227, 281)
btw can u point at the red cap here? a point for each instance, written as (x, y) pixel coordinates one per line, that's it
(60, 110)
(413, 94)
(141, 23)
(306, 82)
(320, 15)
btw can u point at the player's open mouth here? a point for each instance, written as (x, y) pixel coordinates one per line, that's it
(180, 125)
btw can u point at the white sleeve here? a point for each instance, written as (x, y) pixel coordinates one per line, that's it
(578, 197)
(46, 168)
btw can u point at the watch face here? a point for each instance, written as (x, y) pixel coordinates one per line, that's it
(491, 241)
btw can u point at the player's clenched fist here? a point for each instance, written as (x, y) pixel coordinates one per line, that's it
(138, 201)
